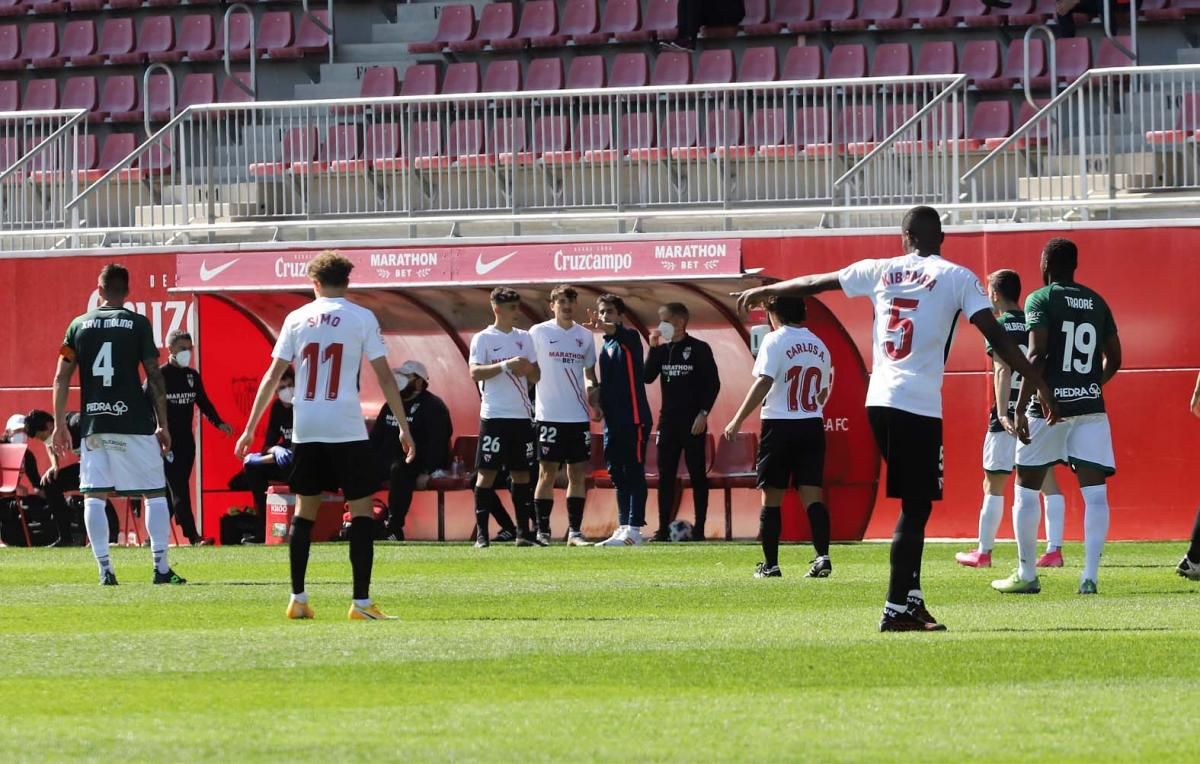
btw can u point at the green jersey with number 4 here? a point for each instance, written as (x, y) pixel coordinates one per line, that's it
(109, 344)
(1078, 323)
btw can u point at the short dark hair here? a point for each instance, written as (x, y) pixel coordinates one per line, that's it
(178, 334)
(1006, 283)
(924, 226)
(114, 279)
(288, 373)
(791, 310)
(1061, 257)
(504, 295)
(330, 269)
(612, 300)
(36, 421)
(564, 290)
(677, 309)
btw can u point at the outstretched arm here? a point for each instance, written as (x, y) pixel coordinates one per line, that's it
(266, 388)
(800, 286)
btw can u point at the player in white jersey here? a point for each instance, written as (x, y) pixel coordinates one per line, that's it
(327, 339)
(918, 298)
(567, 401)
(504, 364)
(793, 378)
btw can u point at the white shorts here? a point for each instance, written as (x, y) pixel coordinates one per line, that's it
(1081, 441)
(999, 452)
(129, 465)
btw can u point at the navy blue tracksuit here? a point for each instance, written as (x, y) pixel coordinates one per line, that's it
(627, 421)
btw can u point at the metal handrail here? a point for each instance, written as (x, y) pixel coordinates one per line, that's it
(328, 30)
(1053, 54)
(253, 89)
(1133, 40)
(76, 116)
(146, 94)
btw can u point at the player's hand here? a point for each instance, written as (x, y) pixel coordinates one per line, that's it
(1049, 405)
(1196, 402)
(700, 425)
(422, 481)
(596, 414)
(1021, 428)
(751, 298)
(242, 447)
(655, 338)
(408, 446)
(519, 366)
(164, 439)
(225, 428)
(594, 323)
(731, 430)
(61, 441)
(48, 476)
(1007, 423)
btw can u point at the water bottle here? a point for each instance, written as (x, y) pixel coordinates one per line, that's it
(456, 467)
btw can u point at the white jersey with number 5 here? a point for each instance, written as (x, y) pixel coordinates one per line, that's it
(799, 365)
(327, 340)
(917, 304)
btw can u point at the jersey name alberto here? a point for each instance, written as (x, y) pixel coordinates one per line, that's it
(1013, 324)
(110, 345)
(562, 355)
(801, 373)
(1078, 324)
(327, 340)
(505, 396)
(917, 304)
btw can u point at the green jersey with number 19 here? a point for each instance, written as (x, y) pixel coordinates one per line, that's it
(1078, 324)
(109, 344)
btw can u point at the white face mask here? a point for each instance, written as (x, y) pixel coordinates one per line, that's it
(183, 357)
(402, 381)
(286, 394)
(667, 330)
(18, 437)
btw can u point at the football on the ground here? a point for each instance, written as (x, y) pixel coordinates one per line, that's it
(680, 530)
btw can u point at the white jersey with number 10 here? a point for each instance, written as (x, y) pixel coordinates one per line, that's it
(917, 303)
(327, 340)
(801, 370)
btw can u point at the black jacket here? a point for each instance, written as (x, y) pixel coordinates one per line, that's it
(185, 392)
(279, 427)
(690, 381)
(428, 421)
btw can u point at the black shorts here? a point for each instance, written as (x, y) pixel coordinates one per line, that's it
(348, 467)
(791, 452)
(911, 445)
(505, 444)
(564, 442)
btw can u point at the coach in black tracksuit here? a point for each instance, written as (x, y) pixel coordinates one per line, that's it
(185, 392)
(690, 384)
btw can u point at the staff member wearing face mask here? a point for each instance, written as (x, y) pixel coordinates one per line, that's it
(185, 392)
(690, 384)
(15, 434)
(273, 462)
(429, 422)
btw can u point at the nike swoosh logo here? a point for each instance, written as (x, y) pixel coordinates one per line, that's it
(209, 275)
(483, 268)
(553, 342)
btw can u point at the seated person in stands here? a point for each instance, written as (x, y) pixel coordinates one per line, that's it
(59, 479)
(429, 422)
(273, 462)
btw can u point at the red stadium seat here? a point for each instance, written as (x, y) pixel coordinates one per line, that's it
(1040, 133)
(464, 140)
(592, 142)
(299, 145)
(1027, 13)
(991, 124)
(311, 36)
(803, 62)
(10, 95)
(341, 149)
(793, 14)
(155, 160)
(967, 12)
(157, 39)
(661, 22)
(160, 97)
(619, 16)
(81, 93)
(539, 19)
(116, 45)
(47, 6)
(980, 61)
(496, 24)
(1187, 123)
(240, 25)
(679, 130)
(78, 39)
(198, 89)
(502, 77)
(456, 24)
(772, 25)
(586, 73)
(848, 62)
(579, 17)
(767, 132)
(856, 129)
(637, 132)
(893, 59)
(506, 140)
(124, 4)
(120, 100)
(41, 95)
(379, 82)
(550, 134)
(1109, 56)
(870, 12)
(276, 33)
(544, 74)
(715, 67)
(759, 65)
(672, 68)
(1160, 10)
(12, 8)
(913, 13)
(630, 70)
(1073, 57)
(946, 127)
(420, 80)
(461, 78)
(117, 146)
(232, 92)
(51, 167)
(734, 467)
(40, 47)
(380, 147)
(825, 13)
(723, 130)
(937, 58)
(1014, 65)
(10, 48)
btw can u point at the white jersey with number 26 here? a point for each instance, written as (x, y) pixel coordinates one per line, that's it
(917, 304)
(327, 340)
(800, 368)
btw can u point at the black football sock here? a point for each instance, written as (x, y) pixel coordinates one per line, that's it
(907, 543)
(522, 497)
(497, 510)
(298, 551)
(485, 499)
(544, 508)
(768, 529)
(1193, 552)
(818, 520)
(575, 512)
(362, 555)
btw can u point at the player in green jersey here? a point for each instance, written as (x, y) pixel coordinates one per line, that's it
(1073, 342)
(123, 437)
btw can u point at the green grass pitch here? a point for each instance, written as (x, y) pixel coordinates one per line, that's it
(665, 653)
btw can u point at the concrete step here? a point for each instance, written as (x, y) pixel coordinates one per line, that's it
(182, 214)
(407, 32)
(372, 53)
(342, 72)
(327, 90)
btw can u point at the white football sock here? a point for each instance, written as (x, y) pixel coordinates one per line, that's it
(1095, 528)
(1056, 511)
(363, 603)
(1025, 517)
(301, 598)
(916, 594)
(158, 524)
(989, 521)
(96, 522)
